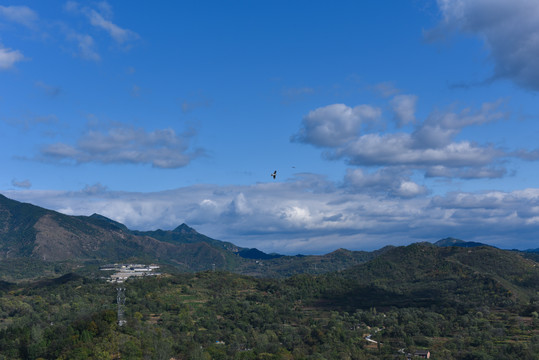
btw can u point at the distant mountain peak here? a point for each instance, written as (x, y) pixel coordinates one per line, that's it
(100, 217)
(185, 229)
(448, 241)
(106, 222)
(341, 252)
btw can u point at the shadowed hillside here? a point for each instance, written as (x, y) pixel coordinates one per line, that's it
(422, 274)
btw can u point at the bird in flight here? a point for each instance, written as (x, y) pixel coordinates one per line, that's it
(274, 174)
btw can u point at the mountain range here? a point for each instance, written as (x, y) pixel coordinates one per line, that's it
(44, 236)
(37, 238)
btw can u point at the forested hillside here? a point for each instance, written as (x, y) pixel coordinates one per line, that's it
(455, 303)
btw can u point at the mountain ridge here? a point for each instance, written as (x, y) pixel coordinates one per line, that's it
(31, 232)
(450, 241)
(422, 273)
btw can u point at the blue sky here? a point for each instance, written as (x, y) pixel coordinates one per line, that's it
(388, 122)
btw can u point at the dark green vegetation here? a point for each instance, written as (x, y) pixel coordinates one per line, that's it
(459, 303)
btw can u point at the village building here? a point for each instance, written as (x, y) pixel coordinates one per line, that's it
(424, 354)
(122, 272)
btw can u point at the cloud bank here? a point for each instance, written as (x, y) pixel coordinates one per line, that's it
(311, 215)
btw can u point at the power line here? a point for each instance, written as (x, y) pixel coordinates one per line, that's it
(120, 300)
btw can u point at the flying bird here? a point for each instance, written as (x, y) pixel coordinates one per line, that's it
(274, 174)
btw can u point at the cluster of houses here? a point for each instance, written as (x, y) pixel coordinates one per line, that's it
(123, 272)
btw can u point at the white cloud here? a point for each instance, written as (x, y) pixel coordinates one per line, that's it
(481, 172)
(404, 108)
(386, 181)
(47, 124)
(86, 46)
(510, 30)
(334, 125)
(398, 149)
(94, 189)
(19, 14)
(60, 151)
(440, 127)
(117, 33)
(239, 206)
(102, 19)
(72, 6)
(410, 189)
(50, 90)
(9, 57)
(125, 144)
(105, 8)
(22, 15)
(380, 180)
(386, 89)
(430, 147)
(24, 184)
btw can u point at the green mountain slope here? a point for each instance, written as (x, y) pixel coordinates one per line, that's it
(285, 266)
(17, 233)
(28, 231)
(422, 274)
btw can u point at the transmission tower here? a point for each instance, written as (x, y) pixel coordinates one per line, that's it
(120, 300)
